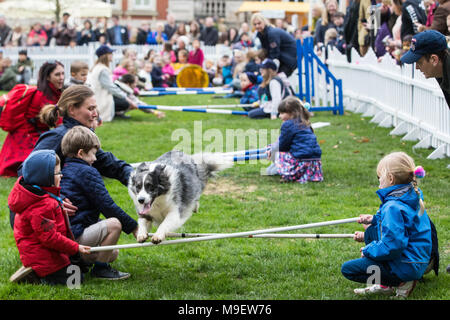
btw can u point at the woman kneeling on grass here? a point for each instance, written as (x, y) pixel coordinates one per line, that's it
(398, 237)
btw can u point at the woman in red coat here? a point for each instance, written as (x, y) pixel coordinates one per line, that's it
(19, 143)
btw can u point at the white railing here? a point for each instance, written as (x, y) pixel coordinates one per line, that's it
(395, 96)
(66, 55)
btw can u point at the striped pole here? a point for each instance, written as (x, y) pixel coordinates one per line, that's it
(246, 152)
(208, 89)
(268, 235)
(225, 236)
(187, 109)
(250, 157)
(185, 92)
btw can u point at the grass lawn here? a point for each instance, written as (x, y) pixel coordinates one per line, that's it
(241, 199)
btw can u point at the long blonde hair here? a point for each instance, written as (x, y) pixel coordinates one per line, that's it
(259, 16)
(74, 95)
(325, 14)
(401, 166)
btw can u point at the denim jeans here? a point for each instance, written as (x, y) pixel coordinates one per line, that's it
(360, 270)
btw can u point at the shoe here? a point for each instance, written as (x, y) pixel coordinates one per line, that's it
(272, 170)
(108, 273)
(405, 289)
(122, 116)
(21, 275)
(374, 289)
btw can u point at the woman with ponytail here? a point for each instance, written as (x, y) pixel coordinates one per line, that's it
(77, 106)
(19, 143)
(398, 237)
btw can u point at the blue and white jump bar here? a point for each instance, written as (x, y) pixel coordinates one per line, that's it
(258, 156)
(207, 89)
(155, 93)
(187, 109)
(245, 155)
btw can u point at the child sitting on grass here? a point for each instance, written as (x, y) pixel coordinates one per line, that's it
(127, 83)
(250, 88)
(398, 237)
(299, 156)
(84, 185)
(41, 226)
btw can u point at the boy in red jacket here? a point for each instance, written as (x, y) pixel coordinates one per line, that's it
(41, 227)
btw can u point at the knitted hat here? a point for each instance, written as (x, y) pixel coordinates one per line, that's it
(39, 168)
(252, 77)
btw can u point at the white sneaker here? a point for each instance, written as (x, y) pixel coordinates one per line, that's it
(20, 274)
(405, 289)
(374, 289)
(272, 170)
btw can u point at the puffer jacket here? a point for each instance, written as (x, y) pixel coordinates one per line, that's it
(84, 186)
(404, 236)
(299, 140)
(41, 229)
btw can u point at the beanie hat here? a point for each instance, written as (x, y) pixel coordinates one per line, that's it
(39, 168)
(252, 77)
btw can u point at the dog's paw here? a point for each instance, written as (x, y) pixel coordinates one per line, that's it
(141, 237)
(158, 237)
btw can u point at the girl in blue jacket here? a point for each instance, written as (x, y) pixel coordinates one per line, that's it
(398, 236)
(299, 156)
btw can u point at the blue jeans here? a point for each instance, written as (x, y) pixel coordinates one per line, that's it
(258, 113)
(360, 270)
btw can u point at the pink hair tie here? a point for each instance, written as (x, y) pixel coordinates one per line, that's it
(419, 172)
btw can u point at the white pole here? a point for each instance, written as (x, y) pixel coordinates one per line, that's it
(225, 236)
(267, 235)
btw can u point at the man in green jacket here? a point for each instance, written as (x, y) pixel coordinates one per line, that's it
(8, 78)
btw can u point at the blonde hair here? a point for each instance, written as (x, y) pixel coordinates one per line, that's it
(325, 12)
(72, 96)
(331, 33)
(259, 16)
(79, 138)
(267, 77)
(401, 166)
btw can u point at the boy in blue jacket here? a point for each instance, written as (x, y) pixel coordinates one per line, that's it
(398, 237)
(84, 185)
(249, 85)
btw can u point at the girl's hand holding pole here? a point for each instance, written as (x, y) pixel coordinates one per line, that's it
(365, 219)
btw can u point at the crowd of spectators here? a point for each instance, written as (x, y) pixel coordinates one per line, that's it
(385, 25)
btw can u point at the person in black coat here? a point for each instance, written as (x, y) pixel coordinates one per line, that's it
(351, 28)
(117, 34)
(413, 12)
(209, 34)
(142, 34)
(278, 44)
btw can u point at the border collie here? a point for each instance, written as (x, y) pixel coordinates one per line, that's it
(167, 191)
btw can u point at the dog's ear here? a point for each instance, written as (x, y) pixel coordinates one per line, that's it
(163, 183)
(142, 167)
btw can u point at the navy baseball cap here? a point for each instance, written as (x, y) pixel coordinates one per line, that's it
(103, 49)
(268, 64)
(429, 41)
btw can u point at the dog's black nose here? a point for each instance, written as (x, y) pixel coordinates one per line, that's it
(141, 200)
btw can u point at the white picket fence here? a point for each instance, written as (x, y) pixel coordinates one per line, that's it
(395, 96)
(66, 55)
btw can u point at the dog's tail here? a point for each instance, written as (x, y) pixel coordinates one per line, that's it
(212, 163)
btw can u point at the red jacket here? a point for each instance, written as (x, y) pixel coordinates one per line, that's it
(41, 230)
(19, 144)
